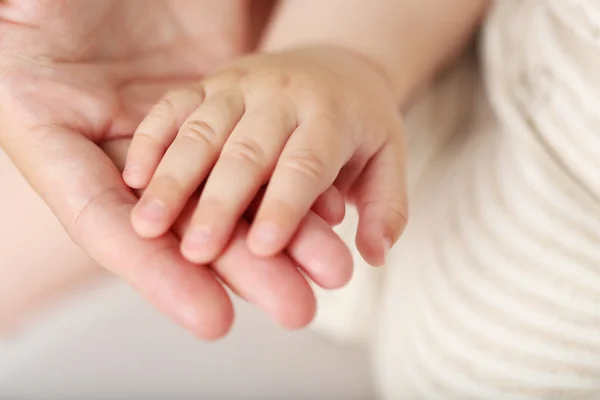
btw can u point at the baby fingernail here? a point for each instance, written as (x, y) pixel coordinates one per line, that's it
(153, 210)
(387, 245)
(131, 168)
(266, 235)
(197, 239)
(131, 175)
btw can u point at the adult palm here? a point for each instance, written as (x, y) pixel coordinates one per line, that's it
(75, 79)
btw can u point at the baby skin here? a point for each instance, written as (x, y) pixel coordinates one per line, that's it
(301, 123)
(311, 119)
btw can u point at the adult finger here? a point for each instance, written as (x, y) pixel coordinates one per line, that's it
(274, 284)
(85, 190)
(317, 250)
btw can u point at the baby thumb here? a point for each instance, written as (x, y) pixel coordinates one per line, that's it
(380, 198)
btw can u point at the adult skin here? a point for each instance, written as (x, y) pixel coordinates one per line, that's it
(75, 79)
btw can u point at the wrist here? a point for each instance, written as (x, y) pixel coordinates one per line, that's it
(340, 55)
(379, 67)
(376, 65)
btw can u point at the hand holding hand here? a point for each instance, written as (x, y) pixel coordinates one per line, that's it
(307, 122)
(60, 99)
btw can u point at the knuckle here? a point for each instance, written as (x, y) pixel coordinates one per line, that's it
(331, 120)
(226, 77)
(284, 82)
(83, 223)
(142, 136)
(273, 81)
(398, 214)
(164, 108)
(233, 104)
(394, 212)
(307, 163)
(194, 93)
(248, 151)
(165, 183)
(235, 73)
(170, 105)
(320, 101)
(199, 131)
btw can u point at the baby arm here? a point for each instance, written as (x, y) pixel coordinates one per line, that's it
(409, 40)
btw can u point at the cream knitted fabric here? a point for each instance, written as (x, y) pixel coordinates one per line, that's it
(494, 291)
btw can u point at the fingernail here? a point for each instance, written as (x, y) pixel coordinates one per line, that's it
(153, 210)
(131, 176)
(197, 239)
(130, 168)
(387, 245)
(266, 235)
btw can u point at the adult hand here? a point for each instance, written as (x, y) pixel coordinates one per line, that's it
(76, 74)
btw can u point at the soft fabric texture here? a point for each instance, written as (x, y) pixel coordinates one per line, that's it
(494, 290)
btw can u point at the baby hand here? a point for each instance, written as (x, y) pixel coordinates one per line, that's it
(300, 121)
